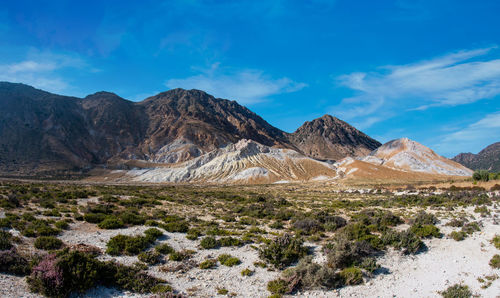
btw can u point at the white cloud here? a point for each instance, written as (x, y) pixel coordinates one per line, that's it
(476, 135)
(454, 79)
(246, 86)
(39, 69)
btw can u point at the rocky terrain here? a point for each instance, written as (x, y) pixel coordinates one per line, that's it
(486, 159)
(331, 138)
(45, 134)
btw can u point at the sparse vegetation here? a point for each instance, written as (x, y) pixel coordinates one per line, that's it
(457, 291)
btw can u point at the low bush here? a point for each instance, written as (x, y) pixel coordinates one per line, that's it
(228, 260)
(458, 235)
(111, 222)
(247, 272)
(471, 227)
(12, 262)
(193, 234)
(208, 264)
(153, 233)
(352, 276)
(310, 276)
(48, 243)
(406, 241)
(457, 291)
(496, 241)
(343, 253)
(230, 241)
(59, 275)
(209, 242)
(278, 286)
(131, 218)
(180, 255)
(130, 245)
(426, 231)
(176, 227)
(150, 257)
(94, 217)
(5, 240)
(164, 249)
(63, 225)
(283, 251)
(424, 218)
(495, 262)
(308, 226)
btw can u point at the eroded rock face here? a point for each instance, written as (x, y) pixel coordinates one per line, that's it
(329, 138)
(486, 159)
(407, 155)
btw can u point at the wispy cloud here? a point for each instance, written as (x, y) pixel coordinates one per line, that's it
(476, 135)
(247, 86)
(453, 79)
(39, 69)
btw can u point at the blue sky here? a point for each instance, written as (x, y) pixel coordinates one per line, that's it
(427, 70)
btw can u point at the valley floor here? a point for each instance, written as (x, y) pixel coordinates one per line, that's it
(444, 263)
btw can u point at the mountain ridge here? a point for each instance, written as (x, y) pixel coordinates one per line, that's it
(486, 159)
(41, 131)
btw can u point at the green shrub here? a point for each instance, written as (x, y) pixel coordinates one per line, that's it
(111, 222)
(222, 291)
(496, 241)
(458, 236)
(277, 286)
(48, 243)
(5, 240)
(482, 175)
(307, 226)
(247, 272)
(209, 242)
(310, 276)
(495, 262)
(193, 234)
(63, 225)
(208, 264)
(343, 253)
(176, 227)
(471, 227)
(228, 260)
(94, 217)
(352, 276)
(150, 257)
(230, 241)
(424, 218)
(426, 231)
(131, 218)
(164, 249)
(457, 291)
(406, 241)
(131, 245)
(12, 262)
(153, 233)
(180, 255)
(283, 251)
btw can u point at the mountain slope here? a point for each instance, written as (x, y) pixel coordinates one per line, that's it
(43, 132)
(246, 161)
(486, 159)
(330, 138)
(407, 155)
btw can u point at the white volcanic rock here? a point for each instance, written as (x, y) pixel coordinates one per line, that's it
(407, 155)
(244, 161)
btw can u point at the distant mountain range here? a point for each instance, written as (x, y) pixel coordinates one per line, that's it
(44, 133)
(486, 159)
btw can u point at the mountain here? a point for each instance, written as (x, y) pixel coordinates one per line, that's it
(486, 159)
(407, 155)
(330, 138)
(43, 133)
(243, 162)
